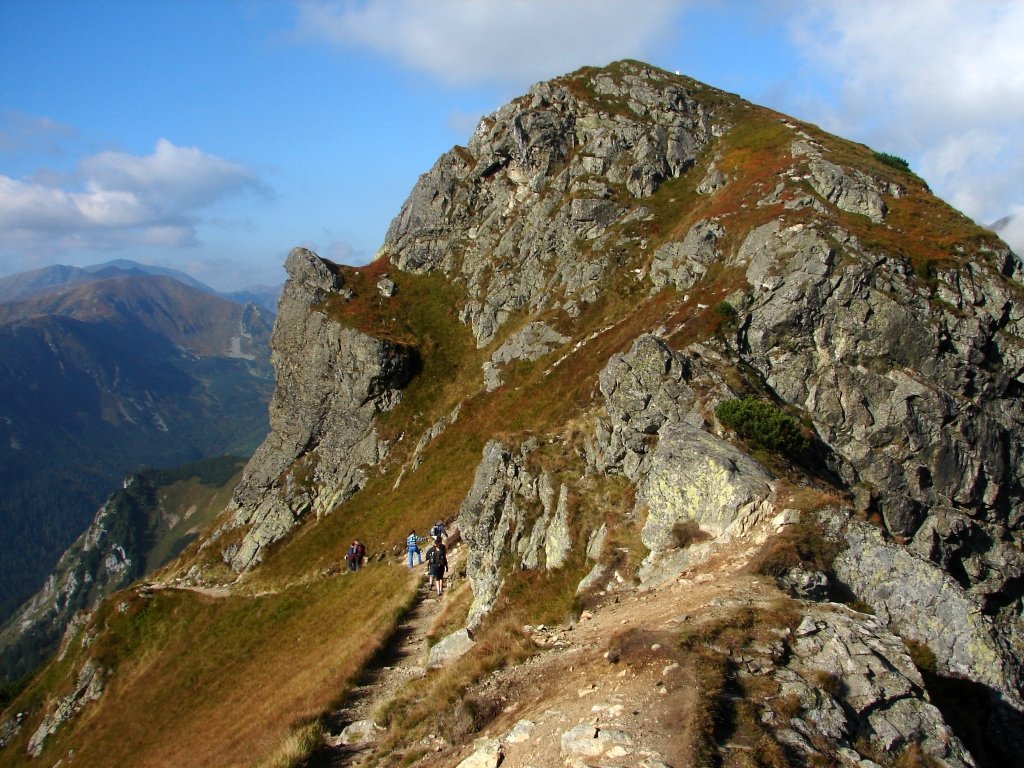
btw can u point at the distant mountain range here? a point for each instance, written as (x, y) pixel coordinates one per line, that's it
(47, 279)
(104, 370)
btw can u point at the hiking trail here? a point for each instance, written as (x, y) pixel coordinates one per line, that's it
(403, 658)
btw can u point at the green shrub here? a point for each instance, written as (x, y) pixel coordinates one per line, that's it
(894, 162)
(764, 424)
(726, 311)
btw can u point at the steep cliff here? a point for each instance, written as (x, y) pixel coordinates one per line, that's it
(726, 412)
(141, 525)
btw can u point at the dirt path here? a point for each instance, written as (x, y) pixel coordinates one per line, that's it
(403, 659)
(572, 681)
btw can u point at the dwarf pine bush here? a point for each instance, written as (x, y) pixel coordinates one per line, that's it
(764, 424)
(893, 161)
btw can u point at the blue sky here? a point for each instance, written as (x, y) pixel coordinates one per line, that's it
(214, 135)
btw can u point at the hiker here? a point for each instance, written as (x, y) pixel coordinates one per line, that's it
(438, 531)
(437, 564)
(360, 554)
(412, 544)
(353, 557)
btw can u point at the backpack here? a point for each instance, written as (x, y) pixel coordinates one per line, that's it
(436, 557)
(437, 531)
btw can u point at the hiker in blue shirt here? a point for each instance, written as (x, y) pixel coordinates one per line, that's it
(413, 545)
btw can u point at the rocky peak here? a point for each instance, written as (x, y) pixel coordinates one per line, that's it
(528, 215)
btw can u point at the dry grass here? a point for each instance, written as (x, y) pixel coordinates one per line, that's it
(801, 545)
(453, 614)
(806, 498)
(727, 710)
(223, 671)
(435, 704)
(687, 533)
(295, 749)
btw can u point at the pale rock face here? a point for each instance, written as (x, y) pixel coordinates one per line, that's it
(532, 342)
(88, 688)
(682, 264)
(450, 648)
(696, 477)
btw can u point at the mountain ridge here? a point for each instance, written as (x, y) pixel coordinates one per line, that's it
(559, 313)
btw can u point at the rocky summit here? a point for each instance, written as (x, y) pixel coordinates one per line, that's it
(724, 416)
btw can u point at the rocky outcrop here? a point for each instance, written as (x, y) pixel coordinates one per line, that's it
(496, 514)
(530, 343)
(88, 688)
(642, 390)
(681, 264)
(852, 686)
(540, 178)
(450, 648)
(849, 190)
(110, 555)
(331, 382)
(699, 480)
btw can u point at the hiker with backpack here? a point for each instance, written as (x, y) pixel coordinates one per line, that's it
(412, 544)
(437, 564)
(438, 531)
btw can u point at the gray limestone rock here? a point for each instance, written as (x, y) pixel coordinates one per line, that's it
(360, 732)
(683, 264)
(10, 728)
(490, 517)
(499, 202)
(331, 382)
(520, 732)
(450, 648)
(642, 390)
(88, 688)
(595, 545)
(920, 601)
(698, 478)
(857, 686)
(896, 383)
(486, 754)
(557, 541)
(531, 342)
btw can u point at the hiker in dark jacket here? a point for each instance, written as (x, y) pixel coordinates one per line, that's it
(360, 554)
(353, 557)
(438, 531)
(437, 564)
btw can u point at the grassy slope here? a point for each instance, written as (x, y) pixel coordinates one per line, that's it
(221, 682)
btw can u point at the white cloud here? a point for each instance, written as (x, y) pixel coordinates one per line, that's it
(938, 81)
(489, 41)
(121, 199)
(1012, 229)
